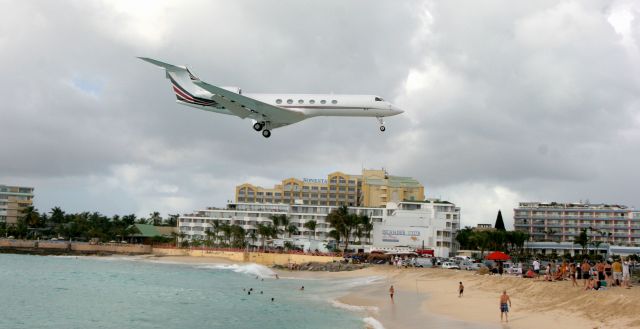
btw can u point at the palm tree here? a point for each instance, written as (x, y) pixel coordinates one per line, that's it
(216, 231)
(253, 237)
(582, 239)
(31, 216)
(337, 219)
(226, 231)
(155, 218)
(57, 215)
(238, 233)
(292, 229)
(367, 226)
(264, 231)
(311, 226)
(280, 221)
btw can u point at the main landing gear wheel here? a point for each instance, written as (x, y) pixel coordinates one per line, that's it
(266, 133)
(382, 128)
(258, 126)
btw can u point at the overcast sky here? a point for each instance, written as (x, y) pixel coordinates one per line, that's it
(504, 101)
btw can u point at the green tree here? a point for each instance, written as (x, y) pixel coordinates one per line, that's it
(155, 218)
(499, 222)
(583, 240)
(464, 238)
(311, 226)
(238, 235)
(367, 227)
(292, 229)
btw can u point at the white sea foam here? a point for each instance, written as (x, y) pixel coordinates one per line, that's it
(372, 323)
(363, 281)
(252, 269)
(353, 308)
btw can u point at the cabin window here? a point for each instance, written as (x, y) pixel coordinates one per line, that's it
(289, 101)
(323, 102)
(311, 101)
(379, 99)
(278, 101)
(334, 102)
(300, 101)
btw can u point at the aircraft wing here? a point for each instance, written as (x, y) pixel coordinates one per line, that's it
(244, 106)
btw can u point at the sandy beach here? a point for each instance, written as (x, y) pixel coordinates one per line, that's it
(431, 296)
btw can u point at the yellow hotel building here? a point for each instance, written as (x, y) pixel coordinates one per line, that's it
(373, 188)
(12, 200)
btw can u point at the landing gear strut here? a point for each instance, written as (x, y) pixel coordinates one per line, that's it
(382, 128)
(266, 133)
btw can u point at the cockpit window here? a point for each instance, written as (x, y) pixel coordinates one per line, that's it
(379, 99)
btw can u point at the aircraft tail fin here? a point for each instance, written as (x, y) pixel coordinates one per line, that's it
(182, 81)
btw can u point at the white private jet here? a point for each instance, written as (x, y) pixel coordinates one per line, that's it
(270, 111)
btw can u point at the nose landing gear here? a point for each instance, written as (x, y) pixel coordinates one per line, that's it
(381, 121)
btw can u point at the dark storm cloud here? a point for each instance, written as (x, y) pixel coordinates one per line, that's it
(503, 102)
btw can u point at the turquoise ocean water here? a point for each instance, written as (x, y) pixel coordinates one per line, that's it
(112, 292)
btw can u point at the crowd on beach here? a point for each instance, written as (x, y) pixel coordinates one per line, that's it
(595, 275)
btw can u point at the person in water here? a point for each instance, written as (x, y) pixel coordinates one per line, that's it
(302, 288)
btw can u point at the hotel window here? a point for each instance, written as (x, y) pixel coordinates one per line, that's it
(278, 101)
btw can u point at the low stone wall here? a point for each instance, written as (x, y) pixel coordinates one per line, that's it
(44, 246)
(268, 259)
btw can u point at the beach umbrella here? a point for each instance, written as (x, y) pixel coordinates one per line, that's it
(498, 256)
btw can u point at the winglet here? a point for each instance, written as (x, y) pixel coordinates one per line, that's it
(164, 65)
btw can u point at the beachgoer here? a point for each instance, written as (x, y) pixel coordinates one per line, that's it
(277, 277)
(617, 272)
(302, 288)
(272, 299)
(608, 273)
(552, 270)
(505, 304)
(391, 292)
(625, 274)
(600, 269)
(249, 292)
(260, 292)
(572, 273)
(536, 267)
(460, 290)
(585, 271)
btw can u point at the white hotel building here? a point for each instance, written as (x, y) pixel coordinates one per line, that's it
(248, 215)
(431, 223)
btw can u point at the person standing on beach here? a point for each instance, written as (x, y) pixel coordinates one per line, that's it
(536, 268)
(505, 304)
(460, 290)
(585, 271)
(625, 274)
(391, 292)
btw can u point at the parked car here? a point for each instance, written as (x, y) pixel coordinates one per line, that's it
(450, 265)
(470, 266)
(423, 262)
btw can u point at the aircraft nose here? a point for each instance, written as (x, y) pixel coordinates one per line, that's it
(396, 110)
